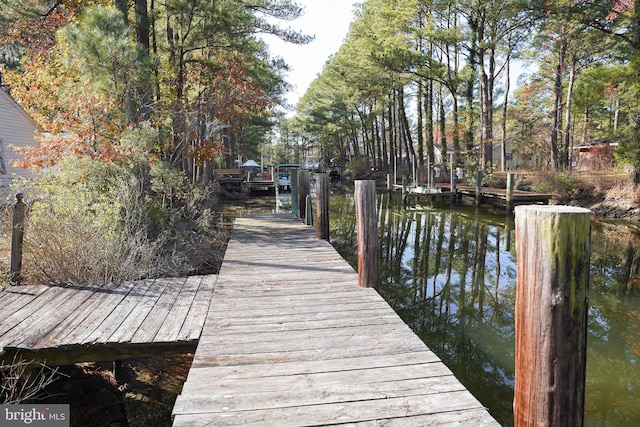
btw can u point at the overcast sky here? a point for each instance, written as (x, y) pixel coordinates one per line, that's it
(328, 21)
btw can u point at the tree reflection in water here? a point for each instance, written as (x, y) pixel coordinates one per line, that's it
(451, 275)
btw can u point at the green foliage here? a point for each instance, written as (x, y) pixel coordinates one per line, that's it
(97, 222)
(100, 48)
(358, 167)
(72, 235)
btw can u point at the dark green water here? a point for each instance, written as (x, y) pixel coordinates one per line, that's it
(451, 275)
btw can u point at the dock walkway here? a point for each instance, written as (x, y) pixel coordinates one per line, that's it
(291, 340)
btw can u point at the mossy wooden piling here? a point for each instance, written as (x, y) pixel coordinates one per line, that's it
(367, 224)
(509, 192)
(553, 250)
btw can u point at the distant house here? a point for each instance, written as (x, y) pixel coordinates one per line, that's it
(512, 161)
(595, 154)
(17, 129)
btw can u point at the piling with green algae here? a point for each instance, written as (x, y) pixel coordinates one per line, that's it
(553, 250)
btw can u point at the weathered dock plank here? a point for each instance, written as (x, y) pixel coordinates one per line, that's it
(75, 323)
(133, 322)
(159, 311)
(174, 320)
(12, 296)
(290, 339)
(92, 322)
(51, 316)
(194, 322)
(118, 314)
(15, 318)
(60, 334)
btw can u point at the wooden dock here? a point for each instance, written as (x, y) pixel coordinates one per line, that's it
(498, 196)
(68, 324)
(290, 339)
(492, 196)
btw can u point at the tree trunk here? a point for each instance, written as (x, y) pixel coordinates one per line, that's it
(469, 92)
(456, 124)
(129, 96)
(428, 108)
(405, 125)
(393, 155)
(145, 93)
(383, 131)
(556, 114)
(443, 129)
(420, 123)
(507, 84)
(567, 117)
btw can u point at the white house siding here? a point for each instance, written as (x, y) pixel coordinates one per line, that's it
(17, 129)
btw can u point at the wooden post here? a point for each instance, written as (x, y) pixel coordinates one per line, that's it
(367, 234)
(322, 206)
(478, 188)
(308, 217)
(553, 249)
(303, 191)
(508, 228)
(509, 192)
(295, 209)
(17, 236)
(454, 178)
(389, 184)
(404, 184)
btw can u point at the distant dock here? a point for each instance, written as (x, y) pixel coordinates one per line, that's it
(483, 195)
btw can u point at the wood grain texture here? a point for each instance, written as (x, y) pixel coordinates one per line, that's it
(74, 323)
(553, 250)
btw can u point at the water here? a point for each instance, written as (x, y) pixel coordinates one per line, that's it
(451, 275)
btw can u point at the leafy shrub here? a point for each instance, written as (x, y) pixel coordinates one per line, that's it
(494, 182)
(94, 222)
(552, 182)
(358, 167)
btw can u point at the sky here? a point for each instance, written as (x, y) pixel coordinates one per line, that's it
(328, 21)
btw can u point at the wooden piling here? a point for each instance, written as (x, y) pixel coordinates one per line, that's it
(295, 207)
(367, 234)
(478, 188)
(322, 206)
(509, 195)
(303, 190)
(308, 216)
(553, 249)
(453, 178)
(17, 237)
